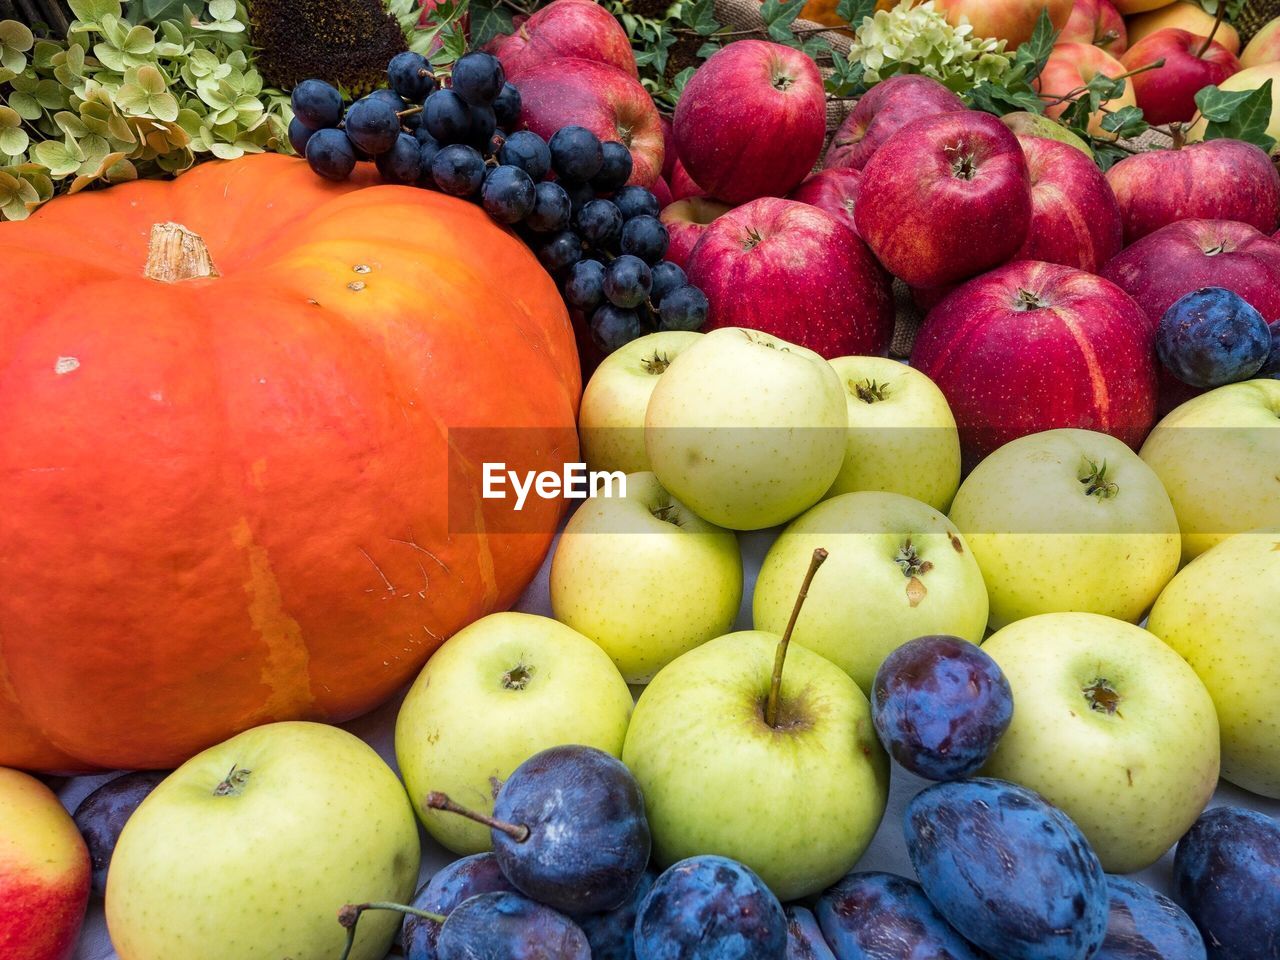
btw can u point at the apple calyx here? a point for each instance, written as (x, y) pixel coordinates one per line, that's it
(518, 677)
(349, 916)
(233, 783)
(1102, 697)
(667, 513)
(441, 801)
(656, 365)
(1095, 480)
(751, 241)
(869, 391)
(780, 658)
(964, 165)
(1027, 300)
(908, 558)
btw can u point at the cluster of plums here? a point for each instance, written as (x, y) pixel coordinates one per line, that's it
(1213, 336)
(567, 197)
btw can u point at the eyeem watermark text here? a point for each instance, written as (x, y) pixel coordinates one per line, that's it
(574, 482)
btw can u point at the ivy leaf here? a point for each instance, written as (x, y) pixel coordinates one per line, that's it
(999, 99)
(700, 15)
(1126, 123)
(707, 49)
(1034, 53)
(489, 21)
(1248, 121)
(1106, 88)
(853, 12)
(778, 15)
(846, 78)
(680, 79)
(1220, 105)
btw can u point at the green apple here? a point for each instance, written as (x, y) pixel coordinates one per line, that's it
(1025, 123)
(611, 419)
(1068, 520)
(898, 570)
(1217, 455)
(645, 577)
(745, 429)
(1222, 614)
(1110, 725)
(249, 849)
(498, 691)
(902, 436)
(793, 783)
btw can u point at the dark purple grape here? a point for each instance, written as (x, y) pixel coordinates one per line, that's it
(600, 224)
(372, 125)
(389, 97)
(447, 117)
(627, 281)
(316, 104)
(588, 838)
(411, 122)
(450, 886)
(102, 815)
(584, 287)
(330, 154)
(710, 907)
(508, 195)
(636, 201)
(684, 308)
(410, 76)
(616, 169)
(881, 916)
(940, 705)
(1212, 337)
(552, 211)
(483, 126)
(507, 106)
(614, 327)
(478, 77)
(458, 170)
(403, 162)
(299, 134)
(528, 151)
(805, 940)
(667, 276)
(427, 150)
(645, 237)
(580, 194)
(507, 926)
(560, 251)
(611, 933)
(576, 154)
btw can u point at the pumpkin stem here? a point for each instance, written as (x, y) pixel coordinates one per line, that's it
(174, 253)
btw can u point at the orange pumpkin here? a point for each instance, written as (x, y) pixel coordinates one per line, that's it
(237, 479)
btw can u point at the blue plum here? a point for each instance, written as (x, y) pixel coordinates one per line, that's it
(1211, 337)
(450, 886)
(710, 908)
(940, 705)
(1145, 925)
(1271, 369)
(1013, 874)
(804, 938)
(101, 817)
(611, 934)
(881, 916)
(507, 926)
(1226, 875)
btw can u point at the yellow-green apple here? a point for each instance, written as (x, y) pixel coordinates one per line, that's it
(1186, 15)
(44, 872)
(1217, 457)
(898, 570)
(1071, 66)
(611, 418)
(1036, 346)
(686, 220)
(1075, 219)
(1167, 94)
(1097, 22)
(250, 848)
(1220, 614)
(902, 436)
(1009, 20)
(884, 110)
(1130, 7)
(747, 429)
(1110, 726)
(1218, 180)
(607, 101)
(1264, 47)
(1027, 124)
(797, 802)
(763, 138)
(612, 577)
(565, 29)
(946, 197)
(794, 271)
(834, 190)
(1251, 78)
(1068, 520)
(496, 693)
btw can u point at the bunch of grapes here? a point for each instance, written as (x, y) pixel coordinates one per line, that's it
(567, 198)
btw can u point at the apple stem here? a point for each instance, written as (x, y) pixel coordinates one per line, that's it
(349, 916)
(780, 658)
(440, 801)
(1053, 99)
(1217, 22)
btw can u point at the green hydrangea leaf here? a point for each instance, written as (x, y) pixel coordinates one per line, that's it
(25, 105)
(61, 157)
(94, 11)
(15, 40)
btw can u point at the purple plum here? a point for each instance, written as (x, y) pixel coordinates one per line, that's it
(1145, 925)
(804, 938)
(450, 886)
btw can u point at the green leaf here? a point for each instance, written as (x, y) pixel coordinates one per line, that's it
(489, 21)
(1106, 88)
(1034, 53)
(92, 11)
(706, 50)
(778, 15)
(13, 139)
(222, 9)
(853, 12)
(700, 16)
(1248, 121)
(680, 79)
(61, 157)
(25, 106)
(1126, 123)
(1220, 105)
(998, 99)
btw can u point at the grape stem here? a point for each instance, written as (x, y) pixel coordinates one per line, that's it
(350, 914)
(775, 681)
(441, 801)
(408, 111)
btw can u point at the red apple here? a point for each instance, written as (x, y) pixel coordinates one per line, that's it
(1097, 22)
(1075, 219)
(1215, 180)
(601, 98)
(682, 185)
(1168, 94)
(44, 872)
(945, 198)
(1190, 16)
(834, 190)
(884, 110)
(1011, 20)
(791, 270)
(926, 298)
(1037, 346)
(566, 29)
(686, 221)
(669, 158)
(1071, 66)
(751, 121)
(662, 192)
